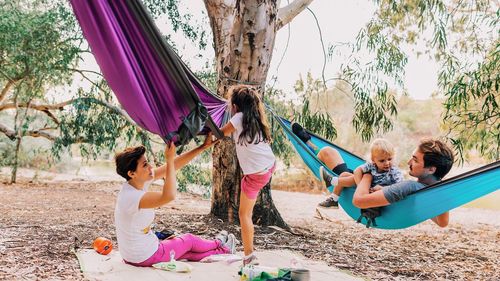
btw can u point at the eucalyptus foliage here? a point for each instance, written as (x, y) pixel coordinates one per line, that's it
(37, 48)
(274, 99)
(40, 49)
(318, 121)
(462, 36)
(183, 22)
(472, 113)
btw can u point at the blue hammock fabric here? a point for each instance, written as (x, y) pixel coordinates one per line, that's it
(416, 208)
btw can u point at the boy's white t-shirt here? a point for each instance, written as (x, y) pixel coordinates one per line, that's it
(136, 240)
(253, 158)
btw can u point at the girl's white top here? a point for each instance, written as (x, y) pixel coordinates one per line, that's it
(253, 158)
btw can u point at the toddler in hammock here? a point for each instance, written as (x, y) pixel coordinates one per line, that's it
(381, 169)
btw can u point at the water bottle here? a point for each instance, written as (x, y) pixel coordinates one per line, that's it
(249, 272)
(171, 264)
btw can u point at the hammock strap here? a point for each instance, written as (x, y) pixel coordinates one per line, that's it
(370, 214)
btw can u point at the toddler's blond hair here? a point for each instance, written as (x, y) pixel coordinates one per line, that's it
(381, 147)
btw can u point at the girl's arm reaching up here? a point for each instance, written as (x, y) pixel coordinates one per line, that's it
(228, 129)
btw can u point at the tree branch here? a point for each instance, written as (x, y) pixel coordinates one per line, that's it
(40, 107)
(37, 134)
(11, 82)
(51, 116)
(81, 71)
(322, 47)
(61, 105)
(6, 89)
(11, 134)
(47, 128)
(290, 11)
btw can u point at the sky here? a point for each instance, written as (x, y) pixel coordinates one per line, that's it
(340, 21)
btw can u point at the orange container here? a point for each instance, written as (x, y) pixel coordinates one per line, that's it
(103, 245)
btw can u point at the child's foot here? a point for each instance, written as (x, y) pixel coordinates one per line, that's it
(329, 203)
(222, 237)
(328, 179)
(250, 260)
(300, 132)
(231, 243)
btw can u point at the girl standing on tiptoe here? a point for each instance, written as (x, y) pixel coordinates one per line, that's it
(252, 136)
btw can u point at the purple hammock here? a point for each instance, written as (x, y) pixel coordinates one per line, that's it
(150, 81)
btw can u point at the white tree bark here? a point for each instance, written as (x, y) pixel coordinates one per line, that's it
(289, 12)
(244, 33)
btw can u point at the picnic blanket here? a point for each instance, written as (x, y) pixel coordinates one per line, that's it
(112, 267)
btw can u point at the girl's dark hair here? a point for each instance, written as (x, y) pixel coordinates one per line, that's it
(255, 126)
(128, 159)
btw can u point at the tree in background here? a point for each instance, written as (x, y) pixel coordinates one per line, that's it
(243, 39)
(463, 36)
(40, 48)
(244, 34)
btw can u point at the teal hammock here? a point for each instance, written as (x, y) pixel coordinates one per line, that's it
(425, 204)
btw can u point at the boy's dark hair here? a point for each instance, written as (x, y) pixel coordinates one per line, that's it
(437, 154)
(127, 160)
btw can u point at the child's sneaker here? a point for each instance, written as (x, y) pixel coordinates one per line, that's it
(222, 237)
(250, 260)
(327, 177)
(300, 132)
(231, 243)
(329, 203)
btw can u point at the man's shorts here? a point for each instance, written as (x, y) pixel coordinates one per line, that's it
(340, 168)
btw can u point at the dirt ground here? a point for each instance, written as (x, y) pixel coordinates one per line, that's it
(41, 224)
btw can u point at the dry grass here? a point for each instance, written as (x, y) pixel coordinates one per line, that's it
(42, 223)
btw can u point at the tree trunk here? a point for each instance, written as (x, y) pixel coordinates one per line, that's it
(13, 176)
(244, 34)
(226, 181)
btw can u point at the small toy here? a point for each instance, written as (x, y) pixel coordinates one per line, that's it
(103, 245)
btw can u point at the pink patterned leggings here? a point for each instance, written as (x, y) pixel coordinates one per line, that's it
(186, 246)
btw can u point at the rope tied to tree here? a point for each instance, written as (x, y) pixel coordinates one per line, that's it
(236, 81)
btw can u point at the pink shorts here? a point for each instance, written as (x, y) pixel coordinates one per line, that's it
(253, 183)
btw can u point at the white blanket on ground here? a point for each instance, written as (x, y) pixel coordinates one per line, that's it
(112, 267)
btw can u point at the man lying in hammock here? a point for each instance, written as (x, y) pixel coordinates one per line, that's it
(430, 162)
